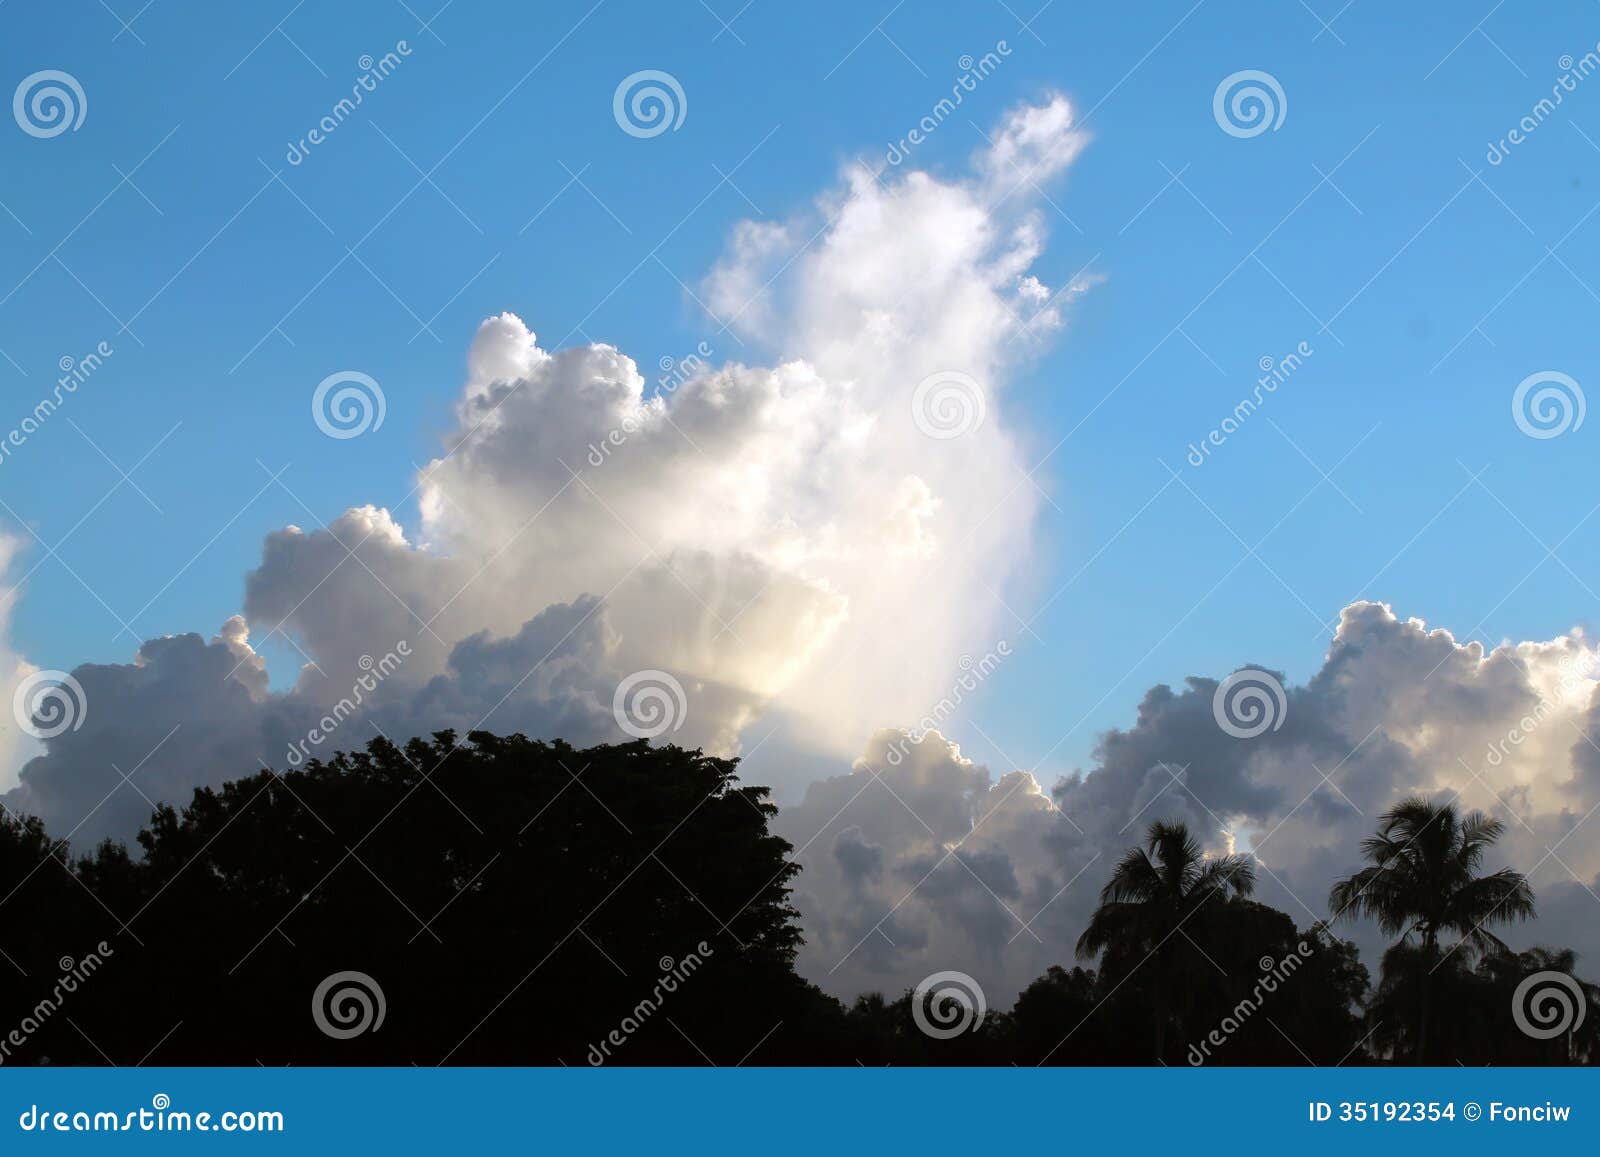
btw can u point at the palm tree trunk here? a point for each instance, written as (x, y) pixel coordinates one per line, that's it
(1422, 1030)
(1430, 950)
(1159, 1004)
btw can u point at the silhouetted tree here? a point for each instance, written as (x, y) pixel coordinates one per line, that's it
(1254, 992)
(1154, 891)
(1062, 1018)
(1423, 880)
(516, 901)
(527, 902)
(1506, 1041)
(885, 1032)
(1491, 1034)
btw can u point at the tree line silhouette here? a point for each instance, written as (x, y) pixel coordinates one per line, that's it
(512, 901)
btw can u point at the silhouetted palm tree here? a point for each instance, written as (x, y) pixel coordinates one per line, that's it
(1423, 880)
(1153, 892)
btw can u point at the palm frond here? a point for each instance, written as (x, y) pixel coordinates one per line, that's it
(1235, 874)
(1503, 897)
(1111, 922)
(1134, 878)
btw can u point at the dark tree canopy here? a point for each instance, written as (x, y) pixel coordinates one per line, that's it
(1423, 883)
(513, 899)
(526, 902)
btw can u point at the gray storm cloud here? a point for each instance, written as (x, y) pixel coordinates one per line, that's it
(936, 862)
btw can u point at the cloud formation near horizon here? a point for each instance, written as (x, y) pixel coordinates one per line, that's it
(781, 535)
(783, 538)
(936, 862)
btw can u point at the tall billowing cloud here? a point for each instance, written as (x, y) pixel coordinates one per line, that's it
(787, 552)
(791, 534)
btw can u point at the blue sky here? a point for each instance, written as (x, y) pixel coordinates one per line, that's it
(1369, 225)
